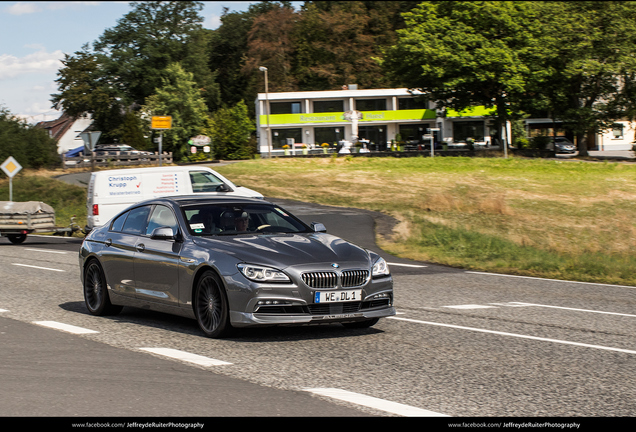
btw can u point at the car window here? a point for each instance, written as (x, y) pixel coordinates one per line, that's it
(217, 219)
(118, 222)
(162, 216)
(203, 181)
(136, 220)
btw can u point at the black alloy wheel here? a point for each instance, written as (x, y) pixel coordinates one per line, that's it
(96, 292)
(211, 307)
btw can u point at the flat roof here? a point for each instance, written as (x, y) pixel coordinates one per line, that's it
(337, 94)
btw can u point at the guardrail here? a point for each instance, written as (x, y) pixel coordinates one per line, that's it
(115, 158)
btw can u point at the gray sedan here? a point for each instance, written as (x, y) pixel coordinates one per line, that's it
(231, 262)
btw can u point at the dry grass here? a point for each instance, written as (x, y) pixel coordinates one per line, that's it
(571, 211)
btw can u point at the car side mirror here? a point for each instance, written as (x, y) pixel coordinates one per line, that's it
(223, 188)
(162, 233)
(318, 227)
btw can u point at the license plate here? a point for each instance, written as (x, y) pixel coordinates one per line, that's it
(338, 296)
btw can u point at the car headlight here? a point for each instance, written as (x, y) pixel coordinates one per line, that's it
(380, 268)
(258, 273)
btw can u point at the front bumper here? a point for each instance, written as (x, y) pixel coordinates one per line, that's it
(293, 305)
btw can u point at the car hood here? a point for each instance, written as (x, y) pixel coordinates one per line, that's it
(285, 250)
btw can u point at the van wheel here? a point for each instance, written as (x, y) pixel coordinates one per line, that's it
(211, 307)
(16, 238)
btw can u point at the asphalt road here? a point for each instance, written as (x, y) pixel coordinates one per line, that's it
(464, 344)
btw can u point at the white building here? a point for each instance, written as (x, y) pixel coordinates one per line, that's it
(66, 131)
(316, 117)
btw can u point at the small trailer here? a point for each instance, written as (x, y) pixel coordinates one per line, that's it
(17, 219)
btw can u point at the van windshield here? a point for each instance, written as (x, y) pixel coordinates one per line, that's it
(203, 181)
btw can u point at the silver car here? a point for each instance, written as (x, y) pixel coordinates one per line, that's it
(231, 262)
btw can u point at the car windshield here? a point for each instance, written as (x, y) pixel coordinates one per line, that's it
(225, 219)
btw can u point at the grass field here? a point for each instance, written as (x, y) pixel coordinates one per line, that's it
(558, 219)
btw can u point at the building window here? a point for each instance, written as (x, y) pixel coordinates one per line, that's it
(468, 129)
(328, 135)
(414, 133)
(411, 103)
(371, 104)
(617, 131)
(328, 106)
(285, 107)
(279, 136)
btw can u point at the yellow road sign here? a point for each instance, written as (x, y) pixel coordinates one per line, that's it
(161, 122)
(11, 167)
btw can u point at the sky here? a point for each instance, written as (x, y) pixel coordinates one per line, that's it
(34, 36)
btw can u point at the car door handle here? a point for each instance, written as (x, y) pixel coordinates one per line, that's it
(108, 242)
(141, 247)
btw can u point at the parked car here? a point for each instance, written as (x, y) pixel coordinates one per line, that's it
(123, 149)
(231, 262)
(563, 145)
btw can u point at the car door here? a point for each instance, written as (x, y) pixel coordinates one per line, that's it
(157, 260)
(120, 248)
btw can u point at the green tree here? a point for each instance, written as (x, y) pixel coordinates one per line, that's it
(179, 97)
(587, 64)
(85, 88)
(464, 53)
(30, 146)
(336, 42)
(232, 130)
(131, 132)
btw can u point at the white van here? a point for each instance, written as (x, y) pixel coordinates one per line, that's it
(111, 191)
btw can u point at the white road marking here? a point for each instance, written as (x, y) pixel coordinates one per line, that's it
(573, 309)
(65, 327)
(3, 310)
(552, 280)
(376, 403)
(517, 335)
(406, 265)
(46, 250)
(186, 356)
(470, 306)
(37, 267)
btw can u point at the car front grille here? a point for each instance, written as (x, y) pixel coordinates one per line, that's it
(320, 279)
(353, 278)
(348, 279)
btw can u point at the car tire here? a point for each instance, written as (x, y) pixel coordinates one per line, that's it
(96, 292)
(17, 238)
(361, 324)
(211, 307)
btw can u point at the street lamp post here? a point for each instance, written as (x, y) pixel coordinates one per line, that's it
(269, 142)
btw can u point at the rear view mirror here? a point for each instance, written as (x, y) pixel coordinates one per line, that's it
(223, 188)
(318, 227)
(162, 233)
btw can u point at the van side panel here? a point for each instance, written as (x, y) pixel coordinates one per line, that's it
(114, 191)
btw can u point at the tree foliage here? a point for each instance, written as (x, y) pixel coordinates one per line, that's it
(232, 129)
(178, 96)
(30, 146)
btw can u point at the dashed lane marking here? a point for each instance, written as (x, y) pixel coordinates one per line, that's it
(65, 327)
(373, 402)
(37, 267)
(186, 356)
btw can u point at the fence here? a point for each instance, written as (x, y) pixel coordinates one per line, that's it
(116, 158)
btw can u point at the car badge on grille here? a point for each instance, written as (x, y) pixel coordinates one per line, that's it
(334, 265)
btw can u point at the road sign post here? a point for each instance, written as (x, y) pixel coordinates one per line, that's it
(11, 167)
(161, 123)
(90, 139)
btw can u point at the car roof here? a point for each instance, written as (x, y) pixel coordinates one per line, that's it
(189, 200)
